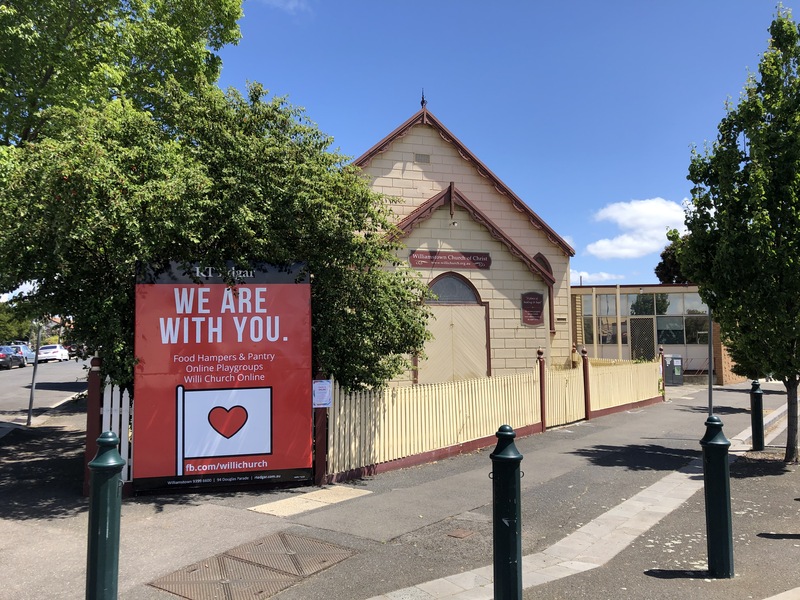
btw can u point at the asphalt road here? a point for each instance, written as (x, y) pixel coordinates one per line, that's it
(55, 382)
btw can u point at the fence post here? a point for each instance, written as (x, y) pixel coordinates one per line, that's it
(542, 388)
(663, 373)
(94, 396)
(320, 445)
(587, 394)
(102, 559)
(507, 522)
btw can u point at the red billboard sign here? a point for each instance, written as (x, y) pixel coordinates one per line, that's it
(222, 385)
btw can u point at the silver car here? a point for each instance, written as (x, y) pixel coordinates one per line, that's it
(27, 354)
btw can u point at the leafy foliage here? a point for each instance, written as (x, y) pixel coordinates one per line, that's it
(277, 195)
(743, 249)
(115, 149)
(12, 326)
(101, 189)
(69, 52)
(230, 178)
(668, 270)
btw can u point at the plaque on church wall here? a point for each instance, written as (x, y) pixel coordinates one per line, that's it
(532, 308)
(449, 259)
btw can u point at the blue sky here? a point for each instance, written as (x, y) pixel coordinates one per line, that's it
(587, 110)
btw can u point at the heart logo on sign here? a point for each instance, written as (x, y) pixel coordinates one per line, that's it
(227, 421)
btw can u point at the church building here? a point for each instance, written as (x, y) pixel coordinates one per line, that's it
(499, 273)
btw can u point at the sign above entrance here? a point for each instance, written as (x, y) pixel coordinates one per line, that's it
(449, 259)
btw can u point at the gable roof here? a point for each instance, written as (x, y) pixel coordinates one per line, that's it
(453, 197)
(425, 117)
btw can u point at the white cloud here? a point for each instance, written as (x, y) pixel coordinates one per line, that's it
(290, 6)
(644, 224)
(585, 278)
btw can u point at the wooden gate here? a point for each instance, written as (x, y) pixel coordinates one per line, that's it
(564, 400)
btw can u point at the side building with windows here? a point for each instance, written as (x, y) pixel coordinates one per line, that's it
(499, 273)
(632, 322)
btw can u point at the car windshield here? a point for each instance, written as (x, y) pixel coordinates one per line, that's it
(47, 348)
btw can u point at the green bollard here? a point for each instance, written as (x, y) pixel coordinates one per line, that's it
(507, 523)
(105, 500)
(717, 487)
(757, 415)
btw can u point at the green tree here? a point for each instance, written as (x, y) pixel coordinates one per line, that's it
(668, 270)
(69, 52)
(116, 150)
(233, 178)
(100, 188)
(743, 248)
(282, 196)
(12, 326)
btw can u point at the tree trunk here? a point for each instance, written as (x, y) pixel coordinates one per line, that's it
(791, 420)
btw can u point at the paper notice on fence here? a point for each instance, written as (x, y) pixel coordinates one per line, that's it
(322, 394)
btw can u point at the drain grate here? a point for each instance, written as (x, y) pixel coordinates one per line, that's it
(224, 577)
(291, 554)
(258, 569)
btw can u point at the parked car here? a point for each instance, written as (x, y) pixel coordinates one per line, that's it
(28, 354)
(10, 357)
(76, 350)
(53, 352)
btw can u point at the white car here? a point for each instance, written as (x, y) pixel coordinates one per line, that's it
(53, 352)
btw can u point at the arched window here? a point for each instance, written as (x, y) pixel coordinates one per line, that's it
(452, 288)
(543, 262)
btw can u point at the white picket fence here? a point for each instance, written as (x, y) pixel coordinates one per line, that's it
(116, 416)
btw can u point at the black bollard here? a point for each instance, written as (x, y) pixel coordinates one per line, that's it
(506, 516)
(757, 415)
(717, 487)
(105, 500)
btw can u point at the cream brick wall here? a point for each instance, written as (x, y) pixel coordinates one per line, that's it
(395, 174)
(396, 164)
(513, 345)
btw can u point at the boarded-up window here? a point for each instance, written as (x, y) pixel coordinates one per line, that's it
(458, 324)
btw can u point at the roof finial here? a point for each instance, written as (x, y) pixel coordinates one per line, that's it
(423, 103)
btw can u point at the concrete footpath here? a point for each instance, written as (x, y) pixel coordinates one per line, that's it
(612, 508)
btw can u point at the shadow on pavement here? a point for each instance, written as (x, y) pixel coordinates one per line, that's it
(780, 536)
(72, 408)
(41, 473)
(677, 574)
(66, 386)
(720, 411)
(759, 464)
(766, 392)
(160, 500)
(639, 457)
